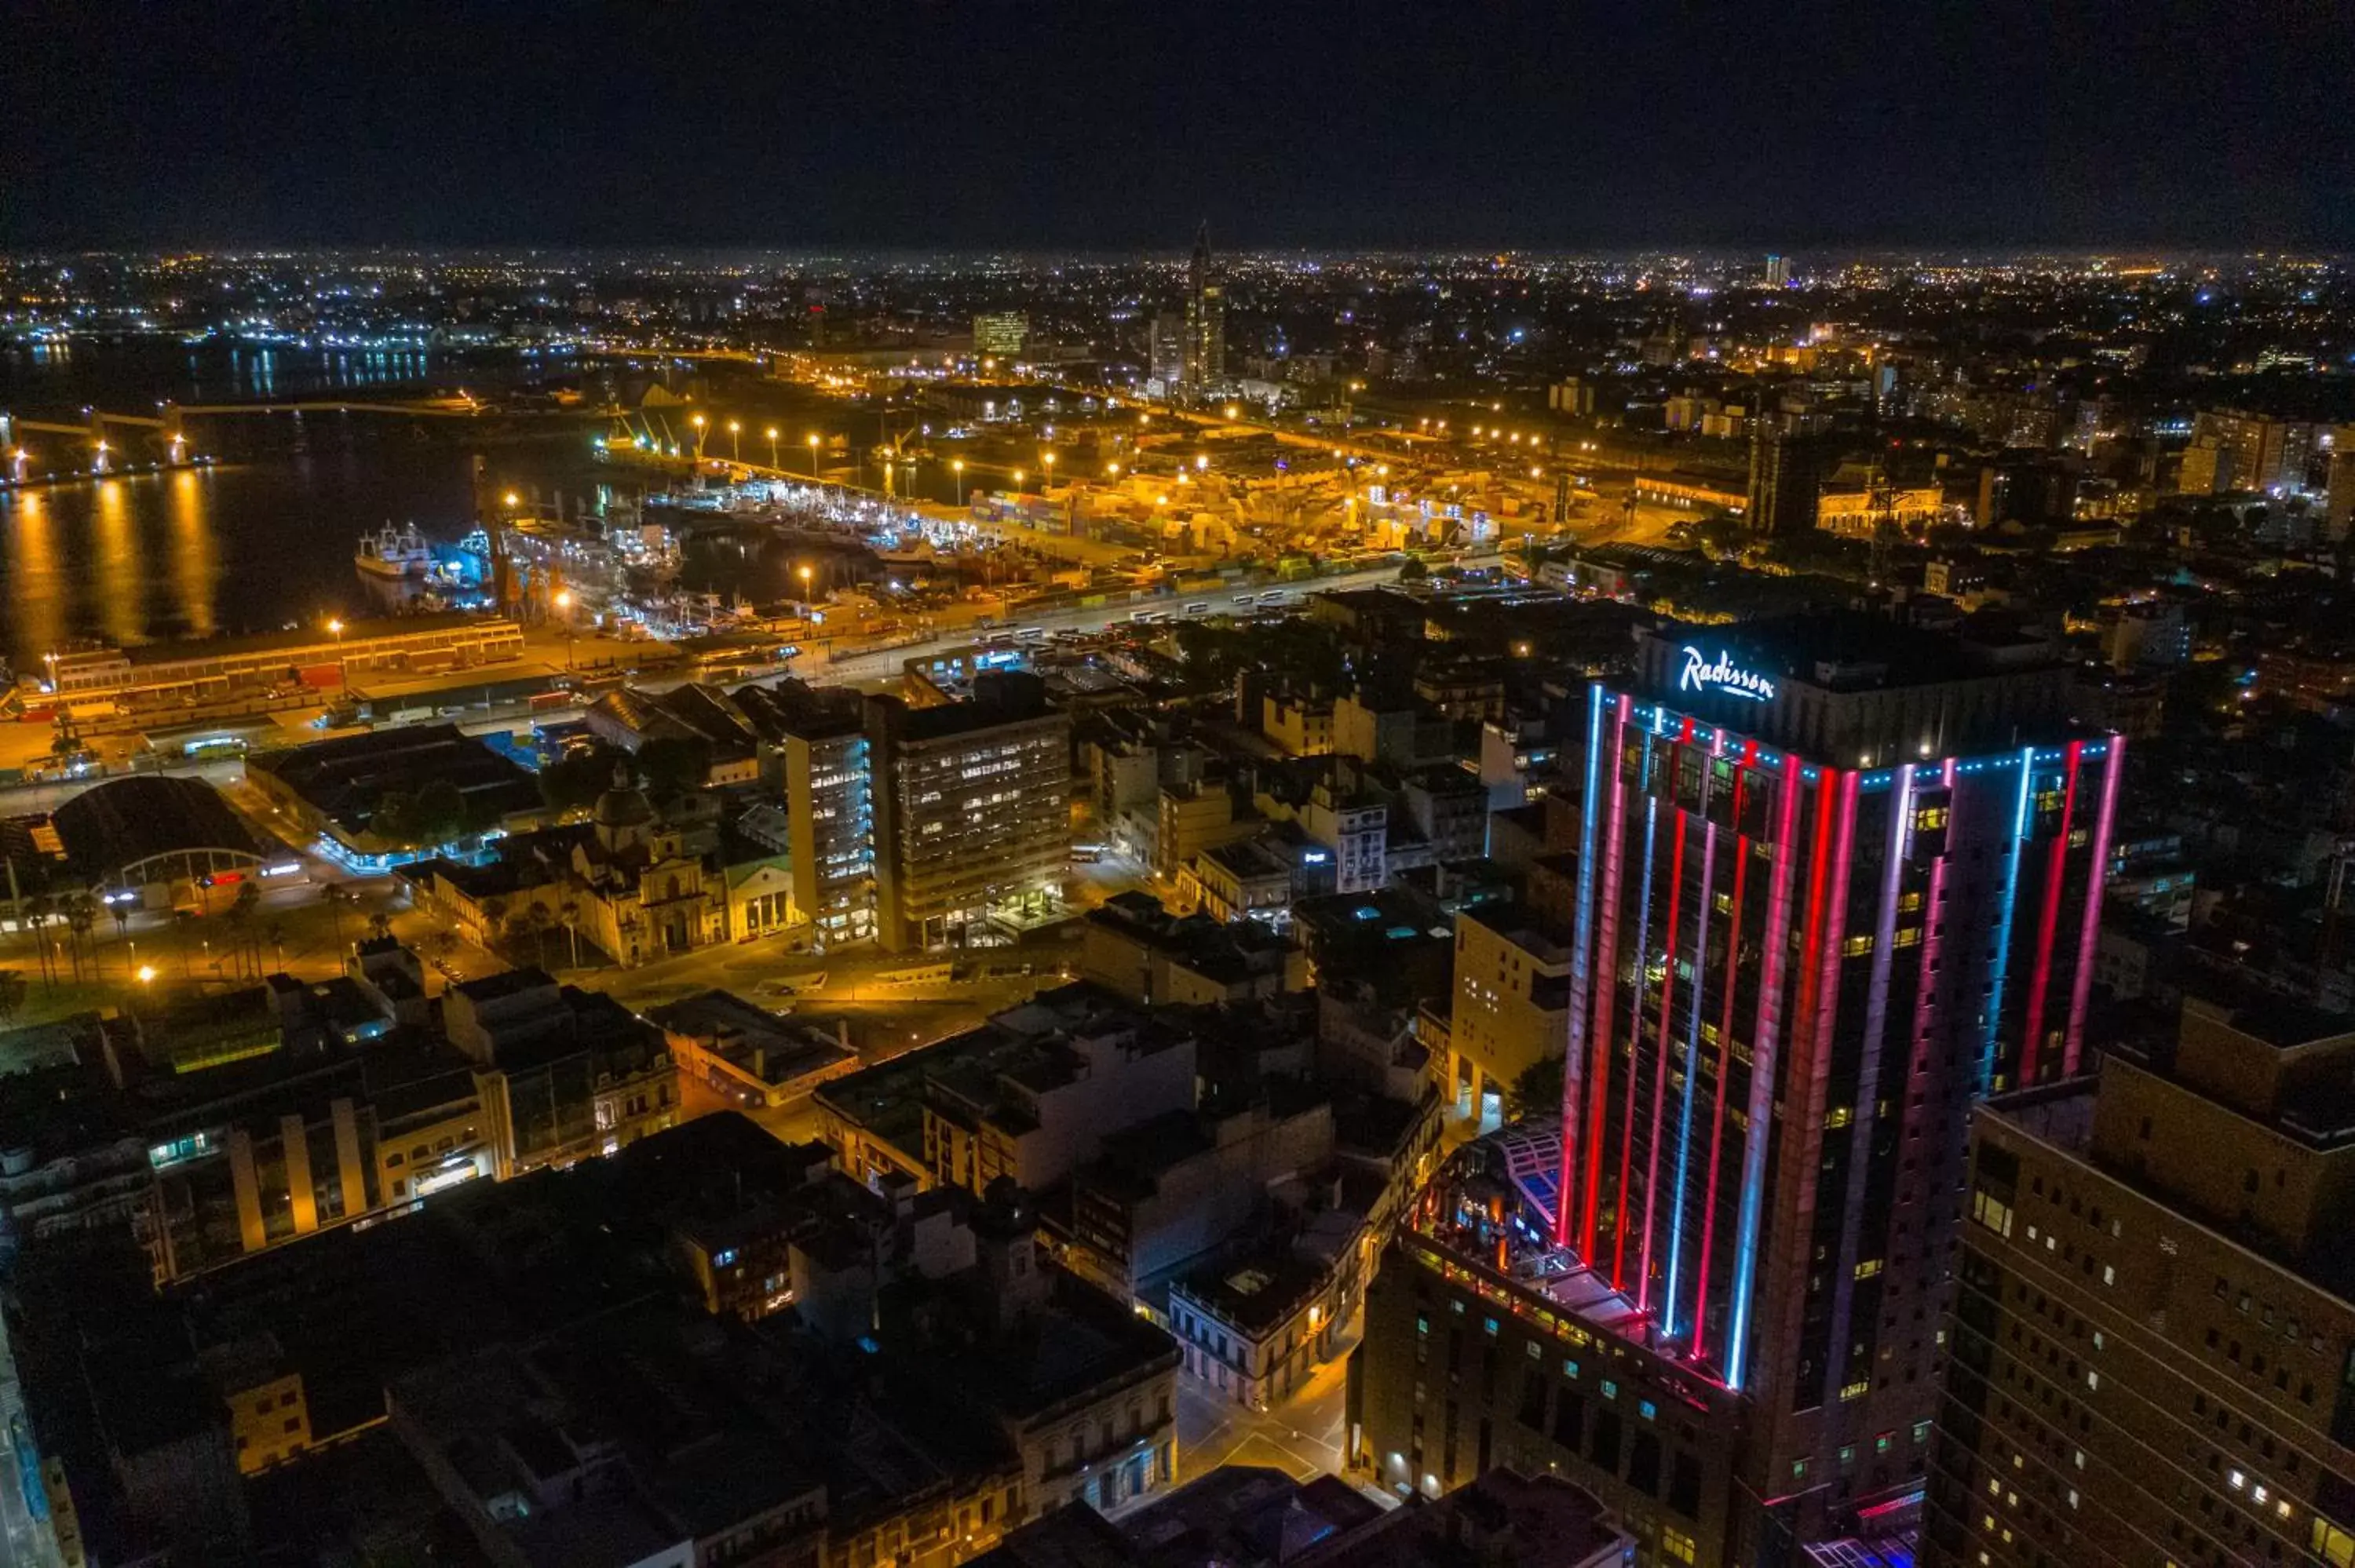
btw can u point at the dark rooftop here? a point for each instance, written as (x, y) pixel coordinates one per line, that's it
(125, 820)
(346, 778)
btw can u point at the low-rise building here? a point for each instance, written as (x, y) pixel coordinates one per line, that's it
(1512, 1001)
(749, 1054)
(564, 1073)
(1136, 949)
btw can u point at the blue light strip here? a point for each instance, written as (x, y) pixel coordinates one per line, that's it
(1589, 809)
(1573, 1059)
(2027, 765)
(1757, 1123)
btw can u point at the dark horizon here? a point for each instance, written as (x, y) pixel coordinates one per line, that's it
(1058, 127)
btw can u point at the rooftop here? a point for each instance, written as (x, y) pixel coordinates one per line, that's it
(347, 780)
(123, 821)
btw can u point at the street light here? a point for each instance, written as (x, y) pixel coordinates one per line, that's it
(812, 447)
(773, 449)
(563, 602)
(343, 671)
(806, 593)
(735, 448)
(512, 500)
(957, 467)
(1049, 459)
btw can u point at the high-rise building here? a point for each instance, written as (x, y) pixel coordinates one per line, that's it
(830, 824)
(2151, 1352)
(1837, 879)
(1000, 333)
(1785, 475)
(972, 808)
(1206, 317)
(2341, 512)
(1165, 350)
(2266, 452)
(1778, 272)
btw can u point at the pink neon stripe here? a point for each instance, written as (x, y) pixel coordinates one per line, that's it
(1725, 1067)
(1605, 982)
(1667, 1034)
(2032, 1040)
(2083, 982)
(1627, 1116)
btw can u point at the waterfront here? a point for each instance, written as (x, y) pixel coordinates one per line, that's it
(263, 538)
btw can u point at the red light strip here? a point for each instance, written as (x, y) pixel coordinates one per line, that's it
(1605, 982)
(1636, 1031)
(1666, 1036)
(1724, 1058)
(2032, 1039)
(2112, 766)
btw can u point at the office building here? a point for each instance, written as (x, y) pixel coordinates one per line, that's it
(1778, 272)
(1206, 319)
(999, 335)
(1847, 943)
(2150, 1340)
(1483, 1350)
(1166, 348)
(1786, 476)
(972, 810)
(830, 825)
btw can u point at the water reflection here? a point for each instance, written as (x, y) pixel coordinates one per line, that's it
(115, 587)
(30, 546)
(196, 564)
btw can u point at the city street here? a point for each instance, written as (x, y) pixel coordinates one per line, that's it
(884, 665)
(1303, 1436)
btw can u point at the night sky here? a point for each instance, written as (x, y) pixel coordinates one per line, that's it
(972, 124)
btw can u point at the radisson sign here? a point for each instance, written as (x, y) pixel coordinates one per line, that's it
(1724, 675)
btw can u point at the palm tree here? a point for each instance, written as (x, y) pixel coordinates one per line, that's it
(81, 916)
(335, 896)
(13, 990)
(38, 912)
(380, 924)
(495, 920)
(243, 912)
(181, 920)
(568, 915)
(276, 932)
(239, 920)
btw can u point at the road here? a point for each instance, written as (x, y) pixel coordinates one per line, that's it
(1303, 1436)
(885, 663)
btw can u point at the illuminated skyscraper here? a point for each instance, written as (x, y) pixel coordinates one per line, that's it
(1778, 272)
(1206, 317)
(971, 809)
(1838, 881)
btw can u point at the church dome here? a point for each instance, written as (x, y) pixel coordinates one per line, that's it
(625, 805)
